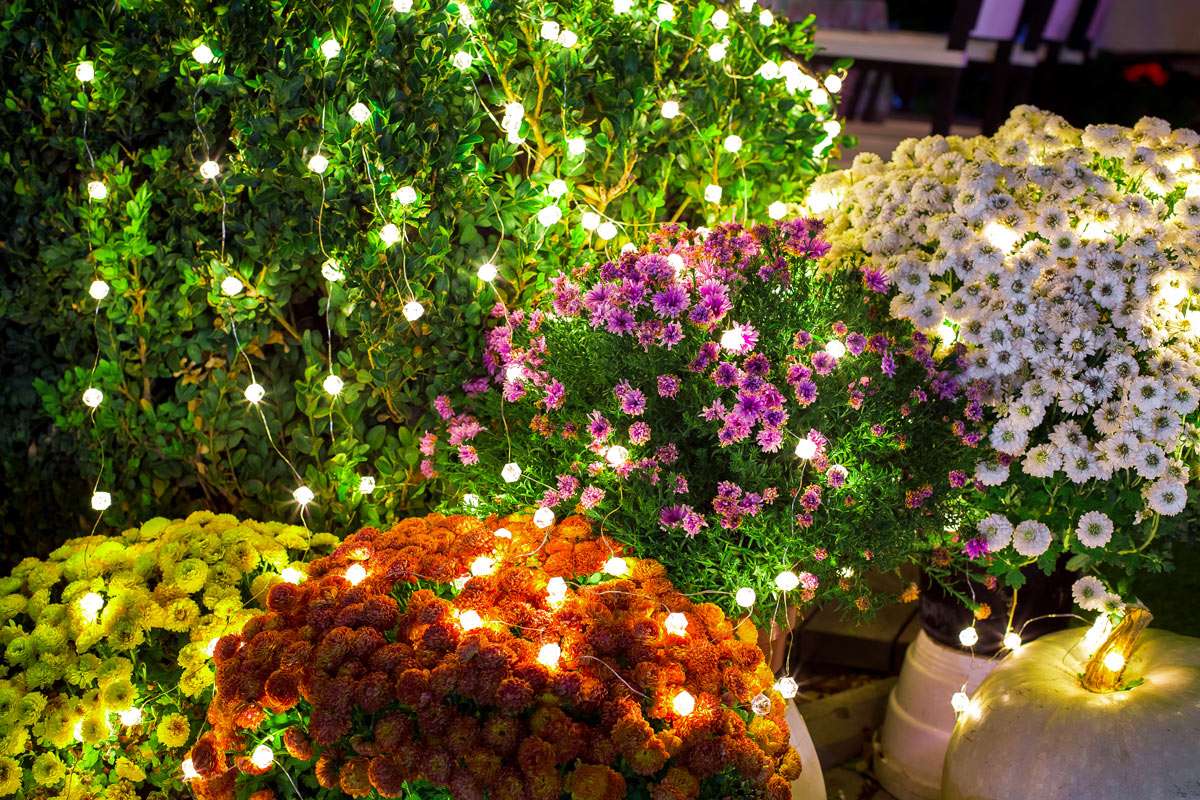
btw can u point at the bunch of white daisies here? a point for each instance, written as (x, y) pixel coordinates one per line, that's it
(1065, 261)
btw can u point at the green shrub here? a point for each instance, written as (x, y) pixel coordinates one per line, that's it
(175, 430)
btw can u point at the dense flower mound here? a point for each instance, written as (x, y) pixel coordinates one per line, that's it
(107, 646)
(494, 661)
(1057, 267)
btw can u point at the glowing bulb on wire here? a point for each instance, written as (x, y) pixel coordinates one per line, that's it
(745, 597)
(549, 216)
(616, 566)
(557, 188)
(90, 605)
(968, 637)
(833, 83)
(101, 500)
(503, 533)
(389, 234)
(366, 484)
(98, 290)
(835, 348)
(483, 566)
(303, 495)
(787, 687)
(470, 620)
(665, 12)
(568, 38)
(463, 59)
(786, 581)
(720, 19)
(487, 272)
(676, 623)
(292, 575)
(130, 716)
(318, 164)
(511, 473)
(960, 702)
(97, 190)
(606, 230)
(543, 517)
(1114, 661)
(622, 6)
(189, 770)
(670, 109)
(359, 113)
(806, 448)
(413, 310)
(549, 654)
(93, 397)
(203, 53)
(684, 703)
(262, 756)
(515, 372)
(712, 193)
(231, 286)
(733, 143)
(405, 195)
(616, 456)
(255, 393)
(356, 573)
(330, 48)
(85, 72)
(1012, 640)
(556, 590)
(576, 146)
(210, 170)
(777, 210)
(331, 271)
(333, 385)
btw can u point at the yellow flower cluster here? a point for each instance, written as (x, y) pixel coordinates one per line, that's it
(107, 647)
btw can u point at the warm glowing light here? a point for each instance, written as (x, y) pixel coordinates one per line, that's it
(676, 261)
(846, 572)
(511, 472)
(720, 19)
(1114, 661)
(262, 756)
(968, 637)
(130, 716)
(231, 286)
(616, 566)
(1092, 230)
(733, 339)
(331, 270)
(806, 448)
(470, 620)
(292, 575)
(556, 590)
(835, 348)
(405, 195)
(557, 188)
(745, 597)
(550, 215)
(1002, 237)
(318, 164)
(777, 210)
(765, 17)
(90, 605)
(470, 501)
(413, 310)
(606, 230)
(568, 38)
(211, 647)
(549, 655)
(463, 59)
(389, 234)
(684, 703)
(255, 393)
(97, 190)
(487, 272)
(712, 193)
(98, 290)
(947, 333)
(1173, 294)
(786, 581)
(330, 48)
(676, 623)
(85, 72)
(101, 500)
(670, 109)
(1097, 634)
(79, 734)
(787, 687)
(1012, 640)
(616, 456)
(303, 495)
(203, 53)
(576, 146)
(543, 517)
(189, 771)
(355, 573)
(959, 702)
(503, 533)
(665, 12)
(359, 113)
(820, 202)
(833, 83)
(333, 385)
(93, 397)
(209, 170)
(483, 566)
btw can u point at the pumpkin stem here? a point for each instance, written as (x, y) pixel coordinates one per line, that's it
(1099, 675)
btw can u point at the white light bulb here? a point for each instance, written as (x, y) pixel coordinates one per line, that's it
(733, 339)
(333, 385)
(189, 770)
(402, 6)
(568, 38)
(769, 70)
(590, 220)
(487, 272)
(515, 372)
(616, 566)
(255, 393)
(960, 702)
(318, 164)
(556, 590)
(90, 605)
(820, 97)
(303, 495)
(745, 597)
(483, 566)
(543, 517)
(262, 756)
(503, 533)
(846, 572)
(389, 234)
(622, 6)
(720, 19)
(716, 52)
(831, 127)
(670, 109)
(463, 59)
(203, 53)
(549, 30)
(712, 193)
(97, 190)
(511, 472)
(330, 48)
(684, 703)
(606, 230)
(209, 170)
(676, 261)
(833, 83)
(359, 113)
(665, 12)
(85, 72)
(101, 500)
(550, 215)
(628, 247)
(616, 456)
(777, 210)
(835, 348)
(130, 716)
(413, 310)
(405, 195)
(292, 575)
(968, 637)
(557, 188)
(211, 647)
(676, 623)
(806, 449)
(1114, 661)
(356, 574)
(514, 111)
(465, 15)
(1012, 640)
(93, 397)
(947, 333)
(470, 501)
(331, 271)
(549, 654)
(765, 17)
(787, 687)
(231, 286)
(733, 143)
(576, 146)
(470, 620)
(786, 581)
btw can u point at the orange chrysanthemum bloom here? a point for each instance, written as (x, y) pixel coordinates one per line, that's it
(594, 782)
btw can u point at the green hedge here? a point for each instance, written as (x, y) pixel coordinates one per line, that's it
(174, 431)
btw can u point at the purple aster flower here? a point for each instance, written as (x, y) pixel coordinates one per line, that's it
(668, 385)
(550, 498)
(633, 403)
(856, 343)
(887, 365)
(811, 498)
(757, 365)
(567, 486)
(609, 271)
(774, 417)
(875, 280)
(621, 322)
(713, 412)
(467, 455)
(725, 375)
(670, 302)
(667, 454)
(476, 387)
(976, 547)
(442, 404)
(877, 430)
(836, 476)
(655, 267)
(958, 478)
(672, 516)
(770, 440)
(806, 392)
(639, 433)
(598, 426)
(427, 470)
(802, 340)
(556, 393)
(823, 363)
(672, 334)
(592, 496)
(749, 406)
(513, 391)
(681, 485)
(692, 524)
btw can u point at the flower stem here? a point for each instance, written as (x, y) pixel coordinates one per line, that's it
(1098, 676)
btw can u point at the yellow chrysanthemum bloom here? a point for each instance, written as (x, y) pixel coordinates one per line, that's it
(151, 528)
(181, 614)
(54, 614)
(189, 575)
(130, 771)
(48, 769)
(119, 695)
(30, 707)
(10, 776)
(209, 627)
(12, 605)
(49, 639)
(58, 726)
(10, 698)
(121, 790)
(114, 668)
(242, 555)
(196, 681)
(173, 730)
(20, 652)
(84, 670)
(15, 742)
(262, 584)
(9, 584)
(126, 635)
(292, 540)
(37, 603)
(229, 605)
(94, 728)
(324, 541)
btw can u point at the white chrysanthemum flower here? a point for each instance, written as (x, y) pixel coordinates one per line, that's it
(1150, 461)
(1031, 538)
(996, 531)
(1167, 497)
(992, 474)
(1042, 461)
(1089, 593)
(1094, 529)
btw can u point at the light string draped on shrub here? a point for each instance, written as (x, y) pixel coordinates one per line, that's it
(720, 404)
(107, 647)
(493, 658)
(448, 137)
(1057, 269)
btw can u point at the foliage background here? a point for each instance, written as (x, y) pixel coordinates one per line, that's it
(175, 431)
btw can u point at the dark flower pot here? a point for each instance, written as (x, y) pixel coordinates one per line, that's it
(943, 615)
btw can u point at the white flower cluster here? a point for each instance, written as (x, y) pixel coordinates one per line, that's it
(1066, 262)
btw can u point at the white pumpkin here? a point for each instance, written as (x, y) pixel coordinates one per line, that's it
(1033, 732)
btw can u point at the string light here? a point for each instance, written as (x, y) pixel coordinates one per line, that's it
(616, 566)
(670, 109)
(568, 38)
(189, 770)
(760, 705)
(470, 620)
(405, 195)
(210, 170)
(483, 566)
(549, 30)
(833, 83)
(777, 210)
(85, 72)
(511, 473)
(787, 687)
(968, 637)
(333, 385)
(402, 6)
(255, 393)
(356, 573)
(130, 716)
(389, 234)
(1097, 634)
(211, 647)
(487, 272)
(786, 581)
(503, 533)
(1114, 661)
(549, 654)
(665, 12)
(463, 59)
(98, 290)
(1012, 640)
(93, 397)
(470, 501)
(203, 53)
(576, 146)
(716, 51)
(97, 190)
(543, 517)
(712, 193)
(557, 188)
(318, 164)
(616, 456)
(331, 271)
(303, 495)
(745, 597)
(556, 590)
(766, 18)
(846, 572)
(590, 220)
(101, 500)
(733, 339)
(606, 230)
(676, 623)
(262, 756)
(684, 703)
(720, 19)
(769, 70)
(359, 113)
(292, 575)
(90, 605)
(366, 484)
(550, 215)
(622, 6)
(732, 143)
(330, 48)
(676, 261)
(960, 702)
(231, 286)
(835, 348)
(806, 448)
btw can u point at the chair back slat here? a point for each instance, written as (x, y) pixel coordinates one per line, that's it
(1061, 19)
(998, 20)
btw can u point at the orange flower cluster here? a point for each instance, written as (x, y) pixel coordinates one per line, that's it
(518, 677)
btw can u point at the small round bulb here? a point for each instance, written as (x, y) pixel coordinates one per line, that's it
(745, 597)
(684, 703)
(330, 48)
(787, 687)
(670, 109)
(616, 566)
(733, 339)
(712, 193)
(835, 348)
(716, 52)
(463, 59)
(959, 702)
(262, 756)
(806, 449)
(101, 500)
(333, 385)
(511, 473)
(676, 261)
(833, 83)
(616, 456)
(487, 272)
(765, 17)
(606, 230)
(413, 310)
(483, 566)
(786, 581)
(231, 286)
(590, 220)
(97, 190)
(93, 397)
(331, 271)
(549, 30)
(549, 654)
(211, 647)
(405, 195)
(622, 6)
(210, 170)
(203, 53)
(550, 215)
(720, 19)
(318, 164)
(366, 484)
(665, 12)
(356, 573)
(676, 623)
(402, 6)
(968, 637)
(1114, 661)
(733, 143)
(389, 234)
(503, 533)
(556, 590)
(255, 393)
(568, 38)
(543, 517)
(85, 72)
(90, 605)
(130, 716)
(576, 147)
(777, 210)
(359, 113)
(470, 620)
(292, 575)
(515, 372)
(303, 495)
(557, 188)
(1012, 640)
(189, 770)
(98, 290)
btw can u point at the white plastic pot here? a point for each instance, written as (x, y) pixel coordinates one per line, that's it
(912, 743)
(811, 783)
